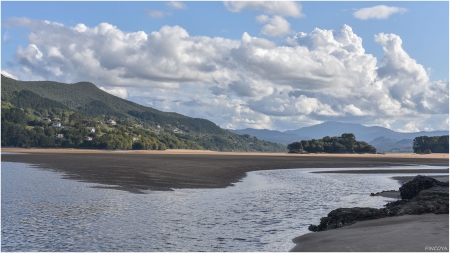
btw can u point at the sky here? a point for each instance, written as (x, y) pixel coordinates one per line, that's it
(264, 65)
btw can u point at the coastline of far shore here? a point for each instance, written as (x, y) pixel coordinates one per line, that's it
(205, 152)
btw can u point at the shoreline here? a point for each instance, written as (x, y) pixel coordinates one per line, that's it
(210, 152)
(135, 171)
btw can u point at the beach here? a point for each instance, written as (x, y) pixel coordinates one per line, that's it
(408, 233)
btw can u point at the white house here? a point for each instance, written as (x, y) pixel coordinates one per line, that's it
(60, 136)
(111, 122)
(91, 129)
(87, 138)
(57, 124)
(135, 138)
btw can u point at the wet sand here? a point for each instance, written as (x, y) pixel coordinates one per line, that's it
(409, 233)
(135, 171)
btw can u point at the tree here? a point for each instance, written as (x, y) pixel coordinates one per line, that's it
(436, 144)
(295, 146)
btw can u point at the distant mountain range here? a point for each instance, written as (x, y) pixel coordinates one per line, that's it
(383, 139)
(383, 144)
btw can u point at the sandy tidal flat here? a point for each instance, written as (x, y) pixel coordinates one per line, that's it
(135, 171)
(205, 152)
(409, 233)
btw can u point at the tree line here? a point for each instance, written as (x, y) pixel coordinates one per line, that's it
(346, 143)
(431, 144)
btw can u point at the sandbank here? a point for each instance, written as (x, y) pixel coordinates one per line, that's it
(410, 233)
(135, 171)
(204, 152)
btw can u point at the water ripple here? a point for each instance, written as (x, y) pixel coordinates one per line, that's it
(42, 212)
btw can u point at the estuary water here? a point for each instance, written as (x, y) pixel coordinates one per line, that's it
(40, 211)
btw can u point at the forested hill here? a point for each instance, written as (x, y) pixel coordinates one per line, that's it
(86, 98)
(43, 100)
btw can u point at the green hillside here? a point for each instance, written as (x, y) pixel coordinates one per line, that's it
(80, 105)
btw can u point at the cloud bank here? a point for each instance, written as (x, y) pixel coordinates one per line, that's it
(251, 82)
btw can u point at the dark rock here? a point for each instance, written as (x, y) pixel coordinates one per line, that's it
(419, 196)
(410, 189)
(380, 193)
(433, 200)
(346, 216)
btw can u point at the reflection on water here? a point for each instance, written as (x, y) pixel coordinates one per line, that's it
(264, 212)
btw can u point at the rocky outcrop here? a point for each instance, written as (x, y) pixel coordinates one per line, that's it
(432, 200)
(421, 195)
(382, 193)
(347, 216)
(410, 189)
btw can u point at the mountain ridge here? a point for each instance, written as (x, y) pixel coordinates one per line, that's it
(39, 99)
(334, 128)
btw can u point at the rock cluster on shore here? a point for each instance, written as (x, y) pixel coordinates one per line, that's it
(421, 195)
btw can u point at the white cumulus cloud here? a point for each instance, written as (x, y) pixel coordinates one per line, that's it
(276, 26)
(378, 12)
(116, 91)
(252, 82)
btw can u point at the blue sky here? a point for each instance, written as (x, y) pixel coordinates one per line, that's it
(274, 65)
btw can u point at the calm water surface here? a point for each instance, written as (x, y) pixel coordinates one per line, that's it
(40, 211)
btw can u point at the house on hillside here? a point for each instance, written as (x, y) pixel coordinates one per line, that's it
(47, 119)
(91, 130)
(59, 136)
(135, 138)
(57, 124)
(56, 119)
(87, 138)
(111, 122)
